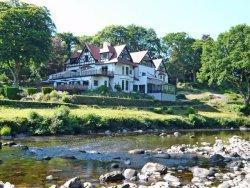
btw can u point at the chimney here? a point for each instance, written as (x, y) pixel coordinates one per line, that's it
(106, 44)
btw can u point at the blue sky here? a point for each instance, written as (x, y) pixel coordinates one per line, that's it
(196, 17)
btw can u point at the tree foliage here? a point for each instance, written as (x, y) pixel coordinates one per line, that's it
(182, 55)
(25, 37)
(228, 60)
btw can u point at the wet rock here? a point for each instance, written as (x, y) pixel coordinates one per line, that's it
(126, 185)
(108, 132)
(154, 167)
(10, 143)
(234, 154)
(130, 174)
(235, 165)
(73, 183)
(162, 155)
(114, 165)
(112, 176)
(49, 178)
(0, 145)
(88, 185)
(137, 151)
(217, 159)
(127, 162)
(163, 134)
(82, 151)
(68, 157)
(22, 147)
(172, 180)
(46, 158)
(176, 134)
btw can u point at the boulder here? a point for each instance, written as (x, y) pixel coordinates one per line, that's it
(73, 183)
(154, 167)
(114, 165)
(176, 134)
(6, 185)
(129, 173)
(88, 185)
(126, 185)
(112, 176)
(217, 159)
(200, 172)
(49, 178)
(10, 143)
(160, 184)
(172, 180)
(137, 151)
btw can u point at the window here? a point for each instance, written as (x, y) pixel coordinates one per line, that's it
(122, 69)
(130, 71)
(86, 58)
(126, 85)
(104, 56)
(105, 83)
(143, 74)
(95, 82)
(127, 70)
(122, 84)
(135, 88)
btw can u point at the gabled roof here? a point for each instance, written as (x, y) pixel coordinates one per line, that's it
(76, 54)
(119, 49)
(157, 63)
(95, 51)
(138, 56)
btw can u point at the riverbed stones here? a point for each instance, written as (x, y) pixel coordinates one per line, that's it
(130, 174)
(88, 185)
(162, 155)
(177, 134)
(172, 180)
(49, 178)
(112, 176)
(114, 165)
(200, 172)
(6, 185)
(137, 151)
(73, 183)
(151, 167)
(10, 143)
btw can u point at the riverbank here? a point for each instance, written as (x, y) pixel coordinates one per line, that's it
(50, 161)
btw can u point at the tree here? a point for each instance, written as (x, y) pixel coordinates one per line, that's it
(70, 41)
(228, 60)
(182, 56)
(25, 36)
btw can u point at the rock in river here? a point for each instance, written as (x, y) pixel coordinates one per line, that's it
(217, 159)
(154, 167)
(172, 180)
(112, 176)
(73, 183)
(129, 173)
(137, 151)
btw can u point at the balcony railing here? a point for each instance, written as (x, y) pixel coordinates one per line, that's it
(81, 73)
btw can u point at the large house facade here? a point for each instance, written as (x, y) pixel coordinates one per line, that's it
(116, 68)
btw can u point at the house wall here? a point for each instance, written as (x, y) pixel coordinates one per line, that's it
(163, 96)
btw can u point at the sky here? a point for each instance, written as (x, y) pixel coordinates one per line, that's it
(195, 17)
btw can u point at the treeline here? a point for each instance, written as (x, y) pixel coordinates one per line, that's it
(31, 49)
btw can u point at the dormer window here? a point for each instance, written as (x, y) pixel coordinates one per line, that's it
(105, 56)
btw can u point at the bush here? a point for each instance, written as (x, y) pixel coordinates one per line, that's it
(169, 110)
(118, 88)
(158, 110)
(245, 109)
(5, 131)
(47, 90)
(196, 120)
(12, 93)
(191, 110)
(31, 90)
(102, 90)
(181, 96)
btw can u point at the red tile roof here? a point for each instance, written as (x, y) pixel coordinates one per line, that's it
(95, 51)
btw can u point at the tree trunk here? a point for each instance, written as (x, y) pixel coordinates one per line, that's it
(247, 98)
(15, 73)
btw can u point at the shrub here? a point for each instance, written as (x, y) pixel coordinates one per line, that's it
(245, 109)
(102, 90)
(191, 110)
(5, 131)
(12, 93)
(196, 119)
(31, 90)
(181, 96)
(169, 110)
(158, 110)
(47, 90)
(118, 88)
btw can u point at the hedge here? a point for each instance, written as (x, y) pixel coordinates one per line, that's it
(114, 101)
(12, 93)
(47, 90)
(31, 90)
(32, 104)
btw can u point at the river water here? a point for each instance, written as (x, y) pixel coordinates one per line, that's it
(87, 156)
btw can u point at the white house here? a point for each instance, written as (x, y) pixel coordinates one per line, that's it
(115, 66)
